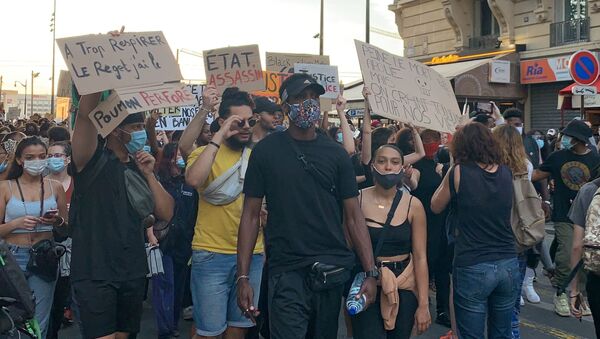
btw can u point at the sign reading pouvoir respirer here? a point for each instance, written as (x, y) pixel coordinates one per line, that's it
(102, 62)
(325, 75)
(407, 91)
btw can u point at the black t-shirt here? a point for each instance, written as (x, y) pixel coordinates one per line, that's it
(108, 236)
(429, 182)
(532, 150)
(570, 171)
(304, 223)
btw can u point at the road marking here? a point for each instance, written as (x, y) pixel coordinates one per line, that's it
(554, 332)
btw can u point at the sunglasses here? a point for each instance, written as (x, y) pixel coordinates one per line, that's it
(251, 123)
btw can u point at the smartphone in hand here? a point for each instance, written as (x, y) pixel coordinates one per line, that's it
(50, 214)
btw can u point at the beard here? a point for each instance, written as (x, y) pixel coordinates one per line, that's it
(236, 144)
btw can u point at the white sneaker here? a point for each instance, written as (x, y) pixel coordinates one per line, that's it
(528, 289)
(188, 313)
(522, 302)
(561, 305)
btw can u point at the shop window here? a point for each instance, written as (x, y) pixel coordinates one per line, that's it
(485, 29)
(572, 24)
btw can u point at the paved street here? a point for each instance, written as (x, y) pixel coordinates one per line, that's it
(537, 320)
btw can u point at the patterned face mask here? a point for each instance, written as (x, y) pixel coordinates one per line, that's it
(10, 146)
(306, 114)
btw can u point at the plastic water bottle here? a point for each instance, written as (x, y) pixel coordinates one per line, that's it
(353, 305)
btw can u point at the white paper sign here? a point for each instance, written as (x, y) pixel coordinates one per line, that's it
(500, 71)
(407, 90)
(326, 76)
(122, 102)
(103, 62)
(175, 123)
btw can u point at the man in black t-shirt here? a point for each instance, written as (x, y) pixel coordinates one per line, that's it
(305, 219)
(570, 168)
(109, 263)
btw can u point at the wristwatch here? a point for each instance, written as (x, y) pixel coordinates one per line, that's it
(374, 273)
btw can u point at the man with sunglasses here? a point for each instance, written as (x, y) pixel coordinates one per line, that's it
(304, 228)
(217, 172)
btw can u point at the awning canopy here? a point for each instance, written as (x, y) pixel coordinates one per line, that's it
(567, 90)
(452, 70)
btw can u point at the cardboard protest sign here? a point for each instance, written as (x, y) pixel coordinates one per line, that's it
(103, 62)
(234, 67)
(122, 102)
(196, 91)
(179, 122)
(284, 62)
(273, 81)
(326, 76)
(407, 90)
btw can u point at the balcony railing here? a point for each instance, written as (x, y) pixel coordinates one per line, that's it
(569, 32)
(484, 42)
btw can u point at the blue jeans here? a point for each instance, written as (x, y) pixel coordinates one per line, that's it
(163, 299)
(214, 291)
(486, 290)
(43, 291)
(516, 332)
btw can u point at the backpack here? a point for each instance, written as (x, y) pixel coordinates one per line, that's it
(527, 217)
(14, 288)
(591, 239)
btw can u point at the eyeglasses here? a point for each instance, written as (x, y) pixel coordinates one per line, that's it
(56, 155)
(251, 123)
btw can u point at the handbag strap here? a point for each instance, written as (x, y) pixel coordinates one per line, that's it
(310, 168)
(25, 206)
(388, 221)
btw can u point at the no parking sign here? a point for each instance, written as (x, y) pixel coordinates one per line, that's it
(584, 67)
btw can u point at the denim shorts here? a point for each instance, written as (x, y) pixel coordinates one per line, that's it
(214, 291)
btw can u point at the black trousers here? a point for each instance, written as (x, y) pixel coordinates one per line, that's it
(62, 300)
(440, 265)
(296, 312)
(593, 292)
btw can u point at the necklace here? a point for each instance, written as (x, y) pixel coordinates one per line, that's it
(379, 204)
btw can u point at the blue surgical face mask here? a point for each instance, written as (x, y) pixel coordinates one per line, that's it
(540, 143)
(147, 149)
(340, 137)
(566, 142)
(3, 166)
(306, 114)
(137, 142)
(180, 162)
(56, 165)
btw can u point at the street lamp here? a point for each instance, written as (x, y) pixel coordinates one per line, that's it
(53, 30)
(25, 86)
(33, 76)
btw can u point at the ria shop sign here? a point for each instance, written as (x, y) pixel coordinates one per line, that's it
(499, 71)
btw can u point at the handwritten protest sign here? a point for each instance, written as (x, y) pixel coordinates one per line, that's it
(176, 123)
(234, 67)
(407, 90)
(122, 102)
(326, 76)
(103, 62)
(284, 62)
(196, 91)
(273, 81)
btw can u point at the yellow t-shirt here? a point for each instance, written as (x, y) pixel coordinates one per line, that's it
(217, 227)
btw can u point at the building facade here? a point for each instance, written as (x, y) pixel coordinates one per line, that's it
(532, 40)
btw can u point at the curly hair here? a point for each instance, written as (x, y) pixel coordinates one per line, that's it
(474, 143)
(512, 151)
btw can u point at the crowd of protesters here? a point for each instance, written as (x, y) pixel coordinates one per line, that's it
(263, 217)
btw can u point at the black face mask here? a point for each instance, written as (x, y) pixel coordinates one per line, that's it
(387, 181)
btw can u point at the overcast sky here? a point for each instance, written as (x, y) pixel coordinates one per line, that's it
(197, 25)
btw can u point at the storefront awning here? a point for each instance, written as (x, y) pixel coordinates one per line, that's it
(452, 70)
(567, 90)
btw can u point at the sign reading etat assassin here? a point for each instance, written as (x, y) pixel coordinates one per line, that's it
(234, 67)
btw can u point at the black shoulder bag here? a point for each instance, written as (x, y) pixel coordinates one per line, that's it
(321, 276)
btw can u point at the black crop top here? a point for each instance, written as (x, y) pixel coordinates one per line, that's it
(398, 240)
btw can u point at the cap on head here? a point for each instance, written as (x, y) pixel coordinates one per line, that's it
(265, 105)
(134, 118)
(296, 83)
(551, 132)
(578, 130)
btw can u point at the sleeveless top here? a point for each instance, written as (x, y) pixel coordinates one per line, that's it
(484, 204)
(15, 208)
(398, 240)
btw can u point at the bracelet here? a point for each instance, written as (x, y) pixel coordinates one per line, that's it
(214, 144)
(61, 223)
(243, 276)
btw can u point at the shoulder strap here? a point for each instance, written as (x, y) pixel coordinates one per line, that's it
(451, 182)
(310, 168)
(388, 221)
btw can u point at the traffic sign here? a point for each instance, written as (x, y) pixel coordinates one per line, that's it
(584, 90)
(584, 67)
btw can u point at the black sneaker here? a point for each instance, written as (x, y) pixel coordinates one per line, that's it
(442, 319)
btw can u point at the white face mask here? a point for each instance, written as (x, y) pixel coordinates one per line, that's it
(35, 167)
(519, 129)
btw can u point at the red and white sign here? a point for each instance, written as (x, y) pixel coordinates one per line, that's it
(584, 67)
(537, 71)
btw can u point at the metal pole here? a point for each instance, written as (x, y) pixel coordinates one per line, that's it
(321, 31)
(31, 111)
(53, 59)
(582, 108)
(1, 101)
(368, 23)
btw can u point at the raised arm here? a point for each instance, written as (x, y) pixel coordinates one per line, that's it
(365, 155)
(151, 131)
(85, 135)
(348, 138)
(197, 173)
(442, 195)
(419, 148)
(209, 100)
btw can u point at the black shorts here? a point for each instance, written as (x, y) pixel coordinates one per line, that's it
(107, 307)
